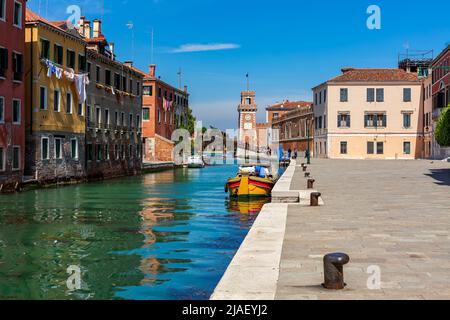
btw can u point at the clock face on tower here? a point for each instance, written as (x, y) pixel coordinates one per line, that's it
(248, 117)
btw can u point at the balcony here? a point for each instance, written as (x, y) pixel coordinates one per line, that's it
(321, 132)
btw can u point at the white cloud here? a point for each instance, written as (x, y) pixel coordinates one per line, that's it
(198, 47)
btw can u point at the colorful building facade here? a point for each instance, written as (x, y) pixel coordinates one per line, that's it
(12, 93)
(369, 114)
(55, 115)
(296, 128)
(164, 109)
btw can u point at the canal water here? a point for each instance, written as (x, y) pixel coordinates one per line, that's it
(167, 235)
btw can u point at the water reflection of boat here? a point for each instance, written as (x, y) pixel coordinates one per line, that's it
(251, 181)
(247, 207)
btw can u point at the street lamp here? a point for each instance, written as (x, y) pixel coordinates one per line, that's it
(308, 151)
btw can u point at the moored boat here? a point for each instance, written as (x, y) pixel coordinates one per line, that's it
(195, 162)
(251, 181)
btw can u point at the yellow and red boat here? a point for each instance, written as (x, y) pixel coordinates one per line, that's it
(247, 184)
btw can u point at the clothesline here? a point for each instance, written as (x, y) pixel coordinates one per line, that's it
(81, 79)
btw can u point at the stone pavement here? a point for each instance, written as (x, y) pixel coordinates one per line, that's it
(391, 215)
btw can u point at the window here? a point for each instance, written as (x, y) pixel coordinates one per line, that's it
(74, 148)
(2, 109)
(80, 109)
(138, 122)
(44, 149)
(370, 95)
(159, 115)
(43, 98)
(56, 101)
(407, 95)
(97, 74)
(89, 69)
(89, 115)
(17, 60)
(99, 152)
(116, 152)
(145, 114)
(147, 90)
(130, 123)
(58, 54)
(106, 116)
(407, 147)
(406, 120)
(2, 12)
(380, 95)
(90, 152)
(108, 77)
(159, 93)
(16, 106)
(107, 152)
(45, 49)
(116, 118)
(3, 61)
(58, 148)
(81, 62)
(70, 58)
(130, 88)
(98, 115)
(131, 151)
(380, 147)
(344, 94)
(275, 115)
(16, 158)
(375, 120)
(69, 102)
(138, 88)
(124, 83)
(117, 81)
(343, 147)
(17, 18)
(2, 159)
(343, 120)
(122, 119)
(370, 147)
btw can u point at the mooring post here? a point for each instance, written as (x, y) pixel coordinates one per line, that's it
(311, 183)
(333, 265)
(315, 199)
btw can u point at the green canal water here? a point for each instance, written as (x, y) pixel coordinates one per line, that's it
(167, 235)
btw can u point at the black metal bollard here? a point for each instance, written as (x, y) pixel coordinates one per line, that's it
(304, 168)
(311, 183)
(315, 199)
(333, 267)
(307, 174)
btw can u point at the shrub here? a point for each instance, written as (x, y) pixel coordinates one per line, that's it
(442, 132)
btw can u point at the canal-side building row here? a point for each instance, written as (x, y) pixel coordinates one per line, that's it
(84, 119)
(12, 93)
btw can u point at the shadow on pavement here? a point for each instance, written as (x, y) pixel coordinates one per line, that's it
(442, 176)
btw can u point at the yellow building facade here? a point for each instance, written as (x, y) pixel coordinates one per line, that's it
(55, 118)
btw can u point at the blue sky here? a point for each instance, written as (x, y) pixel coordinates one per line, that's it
(287, 47)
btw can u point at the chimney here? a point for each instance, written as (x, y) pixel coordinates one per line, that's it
(111, 49)
(129, 64)
(152, 70)
(185, 89)
(97, 28)
(87, 29)
(81, 26)
(347, 69)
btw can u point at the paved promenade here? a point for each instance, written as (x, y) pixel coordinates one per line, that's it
(391, 214)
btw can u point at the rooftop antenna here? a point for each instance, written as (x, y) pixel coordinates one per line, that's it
(130, 26)
(179, 78)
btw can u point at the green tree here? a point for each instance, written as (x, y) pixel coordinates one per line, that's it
(442, 132)
(191, 120)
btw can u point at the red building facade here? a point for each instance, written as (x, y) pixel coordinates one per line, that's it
(12, 93)
(159, 120)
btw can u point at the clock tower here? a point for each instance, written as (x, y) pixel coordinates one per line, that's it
(247, 118)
